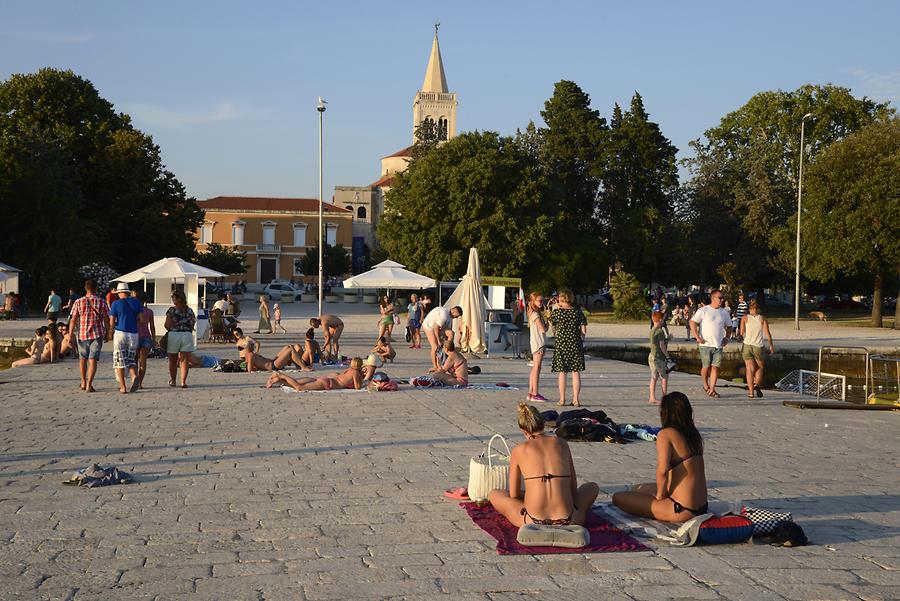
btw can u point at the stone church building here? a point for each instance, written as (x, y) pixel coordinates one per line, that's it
(435, 105)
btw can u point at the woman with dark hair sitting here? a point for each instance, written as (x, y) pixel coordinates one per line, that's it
(679, 493)
(544, 464)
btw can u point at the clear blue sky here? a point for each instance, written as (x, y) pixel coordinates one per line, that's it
(228, 89)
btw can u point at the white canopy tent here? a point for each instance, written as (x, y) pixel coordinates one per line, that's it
(470, 298)
(165, 274)
(390, 274)
(9, 279)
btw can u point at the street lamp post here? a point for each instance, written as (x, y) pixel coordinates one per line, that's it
(799, 207)
(321, 108)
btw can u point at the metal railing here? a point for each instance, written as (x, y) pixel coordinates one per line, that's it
(268, 248)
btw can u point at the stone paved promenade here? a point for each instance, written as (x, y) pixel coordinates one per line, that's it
(247, 493)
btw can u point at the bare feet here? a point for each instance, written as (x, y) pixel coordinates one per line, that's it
(576, 403)
(653, 402)
(90, 389)
(82, 385)
(273, 379)
(562, 403)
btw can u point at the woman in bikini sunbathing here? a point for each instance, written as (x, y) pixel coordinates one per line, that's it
(679, 493)
(455, 371)
(351, 379)
(544, 463)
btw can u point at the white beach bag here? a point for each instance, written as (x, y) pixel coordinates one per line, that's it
(488, 471)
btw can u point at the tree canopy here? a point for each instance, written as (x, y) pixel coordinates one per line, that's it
(851, 218)
(70, 164)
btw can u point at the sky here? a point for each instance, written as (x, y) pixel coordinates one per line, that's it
(228, 89)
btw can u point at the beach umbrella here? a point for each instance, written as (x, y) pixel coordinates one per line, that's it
(390, 274)
(470, 297)
(170, 267)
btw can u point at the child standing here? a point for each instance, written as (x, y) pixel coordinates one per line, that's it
(537, 328)
(659, 353)
(276, 313)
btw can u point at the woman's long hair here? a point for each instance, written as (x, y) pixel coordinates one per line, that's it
(675, 412)
(529, 309)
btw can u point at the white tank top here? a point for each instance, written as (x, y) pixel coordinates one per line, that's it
(753, 334)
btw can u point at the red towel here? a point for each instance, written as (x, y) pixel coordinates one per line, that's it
(604, 537)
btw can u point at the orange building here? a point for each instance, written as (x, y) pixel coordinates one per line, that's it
(274, 232)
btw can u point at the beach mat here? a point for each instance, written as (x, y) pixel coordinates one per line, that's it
(682, 534)
(604, 537)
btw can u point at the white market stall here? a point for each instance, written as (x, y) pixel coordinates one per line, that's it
(166, 274)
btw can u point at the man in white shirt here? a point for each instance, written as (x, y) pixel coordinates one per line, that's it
(711, 328)
(438, 326)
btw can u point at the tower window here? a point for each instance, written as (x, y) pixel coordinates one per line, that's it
(441, 133)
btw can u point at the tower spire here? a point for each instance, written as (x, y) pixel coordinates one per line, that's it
(435, 80)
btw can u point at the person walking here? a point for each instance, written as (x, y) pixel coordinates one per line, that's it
(180, 321)
(386, 321)
(753, 327)
(89, 319)
(146, 337)
(659, 354)
(537, 330)
(414, 321)
(265, 322)
(124, 316)
(73, 296)
(571, 328)
(711, 327)
(739, 313)
(276, 313)
(53, 307)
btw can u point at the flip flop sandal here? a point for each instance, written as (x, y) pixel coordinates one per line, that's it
(714, 395)
(461, 493)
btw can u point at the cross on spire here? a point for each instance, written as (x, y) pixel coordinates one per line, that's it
(436, 25)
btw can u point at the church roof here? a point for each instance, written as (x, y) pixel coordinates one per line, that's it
(385, 181)
(257, 203)
(435, 80)
(405, 152)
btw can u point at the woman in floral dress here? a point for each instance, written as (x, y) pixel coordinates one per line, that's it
(571, 327)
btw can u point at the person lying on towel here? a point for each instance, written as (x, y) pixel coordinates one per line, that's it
(350, 379)
(455, 370)
(544, 464)
(679, 493)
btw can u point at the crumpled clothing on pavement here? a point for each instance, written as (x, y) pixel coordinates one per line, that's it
(99, 476)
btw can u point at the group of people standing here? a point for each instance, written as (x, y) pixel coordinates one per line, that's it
(569, 325)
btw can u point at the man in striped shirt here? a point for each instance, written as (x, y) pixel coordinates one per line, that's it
(91, 314)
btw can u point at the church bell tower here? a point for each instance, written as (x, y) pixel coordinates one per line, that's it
(434, 104)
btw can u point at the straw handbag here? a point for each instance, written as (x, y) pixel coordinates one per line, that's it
(488, 471)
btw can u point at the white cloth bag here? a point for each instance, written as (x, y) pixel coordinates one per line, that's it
(488, 471)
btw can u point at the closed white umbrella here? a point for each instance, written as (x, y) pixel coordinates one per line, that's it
(470, 298)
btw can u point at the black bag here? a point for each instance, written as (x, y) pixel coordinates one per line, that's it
(408, 335)
(583, 429)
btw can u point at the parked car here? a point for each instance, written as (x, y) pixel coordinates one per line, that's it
(276, 290)
(774, 302)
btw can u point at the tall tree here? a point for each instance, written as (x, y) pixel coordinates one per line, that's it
(639, 175)
(851, 221)
(478, 189)
(752, 157)
(134, 209)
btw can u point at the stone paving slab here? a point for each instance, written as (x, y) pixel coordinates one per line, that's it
(248, 493)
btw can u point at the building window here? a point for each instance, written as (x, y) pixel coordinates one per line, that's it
(349, 207)
(299, 235)
(268, 230)
(298, 268)
(206, 233)
(237, 233)
(361, 213)
(331, 234)
(441, 133)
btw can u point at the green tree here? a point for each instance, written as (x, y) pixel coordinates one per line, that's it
(750, 162)
(851, 221)
(226, 259)
(335, 261)
(136, 211)
(628, 298)
(639, 175)
(478, 189)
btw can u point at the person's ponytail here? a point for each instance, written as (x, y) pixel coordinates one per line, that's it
(530, 419)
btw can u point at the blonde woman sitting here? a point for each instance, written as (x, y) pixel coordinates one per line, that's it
(543, 464)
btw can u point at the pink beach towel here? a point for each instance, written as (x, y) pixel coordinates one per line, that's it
(604, 537)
